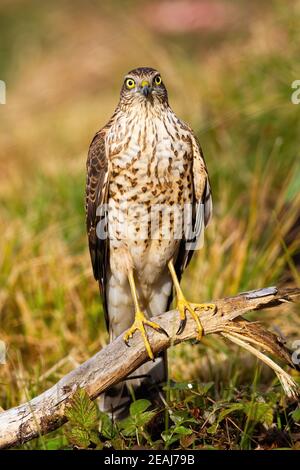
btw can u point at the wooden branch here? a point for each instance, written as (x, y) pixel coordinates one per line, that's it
(113, 363)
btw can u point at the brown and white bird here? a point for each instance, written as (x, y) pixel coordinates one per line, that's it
(144, 158)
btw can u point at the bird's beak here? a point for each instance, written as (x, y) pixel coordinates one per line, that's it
(146, 88)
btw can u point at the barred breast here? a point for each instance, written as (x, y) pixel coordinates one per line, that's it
(151, 167)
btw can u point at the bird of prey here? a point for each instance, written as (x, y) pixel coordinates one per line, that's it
(144, 158)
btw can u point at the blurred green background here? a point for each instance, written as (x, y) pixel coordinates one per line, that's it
(228, 67)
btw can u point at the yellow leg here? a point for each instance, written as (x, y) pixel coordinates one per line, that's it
(140, 320)
(183, 306)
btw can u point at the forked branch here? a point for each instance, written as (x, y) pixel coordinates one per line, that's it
(113, 363)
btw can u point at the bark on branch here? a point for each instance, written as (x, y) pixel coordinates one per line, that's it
(46, 412)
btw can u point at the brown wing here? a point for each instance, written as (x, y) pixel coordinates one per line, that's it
(201, 210)
(96, 214)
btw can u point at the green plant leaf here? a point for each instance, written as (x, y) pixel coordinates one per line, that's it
(79, 437)
(128, 427)
(145, 418)
(118, 443)
(56, 443)
(203, 388)
(234, 407)
(259, 412)
(180, 386)
(169, 438)
(94, 438)
(82, 411)
(180, 417)
(213, 428)
(229, 410)
(174, 434)
(106, 427)
(139, 406)
(182, 431)
(133, 423)
(296, 415)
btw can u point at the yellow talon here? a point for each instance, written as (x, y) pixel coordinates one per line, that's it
(140, 320)
(139, 324)
(183, 306)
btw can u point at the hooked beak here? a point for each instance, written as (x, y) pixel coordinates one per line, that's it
(146, 88)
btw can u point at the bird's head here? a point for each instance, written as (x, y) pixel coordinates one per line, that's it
(143, 84)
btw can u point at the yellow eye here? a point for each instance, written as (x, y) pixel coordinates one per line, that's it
(157, 80)
(130, 83)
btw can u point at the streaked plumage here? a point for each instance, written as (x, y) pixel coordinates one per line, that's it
(145, 156)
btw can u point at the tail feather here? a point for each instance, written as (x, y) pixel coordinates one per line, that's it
(145, 382)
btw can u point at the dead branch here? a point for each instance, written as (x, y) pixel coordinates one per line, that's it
(46, 412)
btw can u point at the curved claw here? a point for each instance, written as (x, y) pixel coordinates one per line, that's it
(181, 326)
(161, 330)
(139, 325)
(183, 306)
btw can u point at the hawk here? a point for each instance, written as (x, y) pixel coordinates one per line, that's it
(144, 158)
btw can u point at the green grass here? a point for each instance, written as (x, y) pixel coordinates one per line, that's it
(61, 87)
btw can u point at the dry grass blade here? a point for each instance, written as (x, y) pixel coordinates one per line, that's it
(289, 385)
(255, 334)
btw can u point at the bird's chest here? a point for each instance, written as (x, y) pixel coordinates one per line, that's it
(150, 161)
(150, 184)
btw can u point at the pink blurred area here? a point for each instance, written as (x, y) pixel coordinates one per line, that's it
(182, 16)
